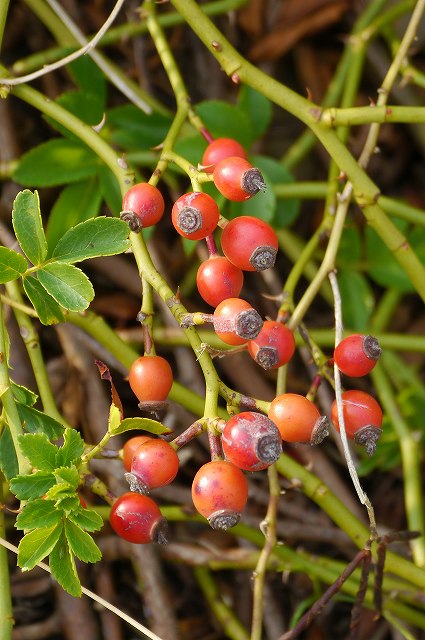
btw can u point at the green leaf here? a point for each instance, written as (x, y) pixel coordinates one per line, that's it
(68, 475)
(35, 421)
(86, 519)
(48, 310)
(39, 450)
(114, 418)
(192, 148)
(12, 265)
(24, 395)
(37, 514)
(110, 189)
(92, 238)
(86, 106)
(145, 424)
(257, 108)
(68, 504)
(57, 161)
(68, 285)
(71, 450)
(28, 226)
(133, 129)
(357, 300)
(76, 202)
(60, 492)
(225, 120)
(32, 486)
(350, 249)
(81, 543)
(8, 460)
(62, 566)
(36, 545)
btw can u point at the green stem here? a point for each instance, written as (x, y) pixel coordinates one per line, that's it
(372, 114)
(411, 462)
(6, 608)
(7, 399)
(224, 614)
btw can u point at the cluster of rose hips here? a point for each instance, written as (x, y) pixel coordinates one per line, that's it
(249, 441)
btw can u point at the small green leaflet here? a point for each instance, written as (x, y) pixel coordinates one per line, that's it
(87, 519)
(62, 566)
(8, 460)
(37, 544)
(28, 226)
(68, 476)
(39, 450)
(81, 543)
(38, 514)
(68, 285)
(24, 395)
(12, 265)
(146, 424)
(96, 237)
(33, 485)
(71, 450)
(48, 310)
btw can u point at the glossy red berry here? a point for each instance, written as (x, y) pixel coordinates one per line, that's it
(249, 243)
(150, 378)
(137, 519)
(130, 447)
(218, 279)
(298, 419)
(195, 215)
(220, 149)
(362, 418)
(145, 202)
(273, 347)
(237, 179)
(235, 321)
(357, 354)
(219, 493)
(251, 441)
(155, 463)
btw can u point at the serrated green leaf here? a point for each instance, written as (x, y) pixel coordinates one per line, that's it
(357, 300)
(33, 485)
(8, 460)
(36, 545)
(86, 106)
(68, 504)
(81, 543)
(145, 424)
(55, 162)
(76, 202)
(35, 421)
(59, 492)
(92, 238)
(48, 310)
(86, 519)
(24, 395)
(68, 285)
(12, 265)
(68, 475)
(257, 107)
(71, 450)
(87, 75)
(62, 566)
(38, 514)
(39, 450)
(28, 226)
(225, 120)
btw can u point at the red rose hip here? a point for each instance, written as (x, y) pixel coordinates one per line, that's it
(195, 215)
(142, 206)
(155, 463)
(356, 355)
(220, 149)
(150, 378)
(235, 321)
(237, 179)
(362, 418)
(249, 243)
(273, 347)
(298, 419)
(251, 441)
(137, 519)
(218, 279)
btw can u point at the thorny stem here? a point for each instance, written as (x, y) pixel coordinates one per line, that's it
(338, 393)
(6, 608)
